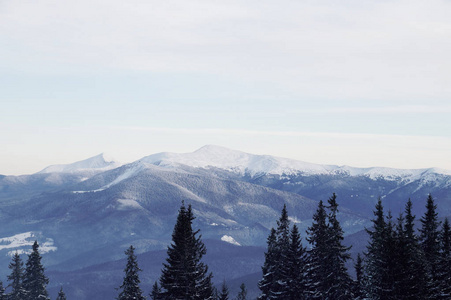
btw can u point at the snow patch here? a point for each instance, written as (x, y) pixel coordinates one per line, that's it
(93, 191)
(230, 240)
(26, 239)
(126, 204)
(295, 220)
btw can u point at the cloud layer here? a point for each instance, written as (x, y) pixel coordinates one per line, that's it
(385, 50)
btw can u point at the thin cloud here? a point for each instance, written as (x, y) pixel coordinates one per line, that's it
(395, 50)
(405, 109)
(246, 132)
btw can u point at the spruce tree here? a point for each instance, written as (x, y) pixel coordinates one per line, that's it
(319, 267)
(445, 261)
(242, 293)
(61, 295)
(414, 274)
(16, 279)
(184, 275)
(429, 241)
(130, 289)
(35, 281)
(279, 289)
(378, 284)
(224, 293)
(390, 256)
(156, 292)
(339, 282)
(400, 268)
(358, 283)
(269, 266)
(297, 262)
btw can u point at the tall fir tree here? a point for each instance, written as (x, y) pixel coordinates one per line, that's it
(297, 262)
(390, 257)
(445, 261)
(281, 273)
(35, 281)
(61, 295)
(16, 279)
(268, 269)
(339, 282)
(429, 241)
(358, 282)
(130, 290)
(242, 294)
(285, 262)
(401, 284)
(319, 267)
(378, 284)
(414, 279)
(184, 275)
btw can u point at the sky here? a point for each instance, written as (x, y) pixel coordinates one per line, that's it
(353, 82)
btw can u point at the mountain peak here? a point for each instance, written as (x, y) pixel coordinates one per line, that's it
(100, 162)
(233, 160)
(252, 164)
(214, 149)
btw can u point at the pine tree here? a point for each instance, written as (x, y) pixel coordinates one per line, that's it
(224, 293)
(414, 279)
(184, 276)
(429, 241)
(2, 291)
(378, 281)
(297, 262)
(390, 257)
(61, 295)
(358, 283)
(269, 266)
(339, 282)
(242, 293)
(35, 281)
(130, 289)
(401, 284)
(156, 292)
(279, 289)
(16, 278)
(445, 261)
(319, 267)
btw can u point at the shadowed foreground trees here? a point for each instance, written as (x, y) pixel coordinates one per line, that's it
(27, 283)
(184, 275)
(130, 289)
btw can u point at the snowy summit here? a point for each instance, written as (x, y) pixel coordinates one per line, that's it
(99, 162)
(211, 156)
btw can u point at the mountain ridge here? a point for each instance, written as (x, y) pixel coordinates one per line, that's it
(246, 163)
(89, 215)
(100, 162)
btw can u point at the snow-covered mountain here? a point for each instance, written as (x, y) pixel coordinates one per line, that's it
(97, 163)
(212, 156)
(88, 212)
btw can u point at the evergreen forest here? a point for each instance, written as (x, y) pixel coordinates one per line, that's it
(400, 262)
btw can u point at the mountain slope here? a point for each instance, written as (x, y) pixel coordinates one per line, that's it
(94, 164)
(254, 165)
(87, 213)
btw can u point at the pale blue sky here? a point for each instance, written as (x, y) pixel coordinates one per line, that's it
(362, 83)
